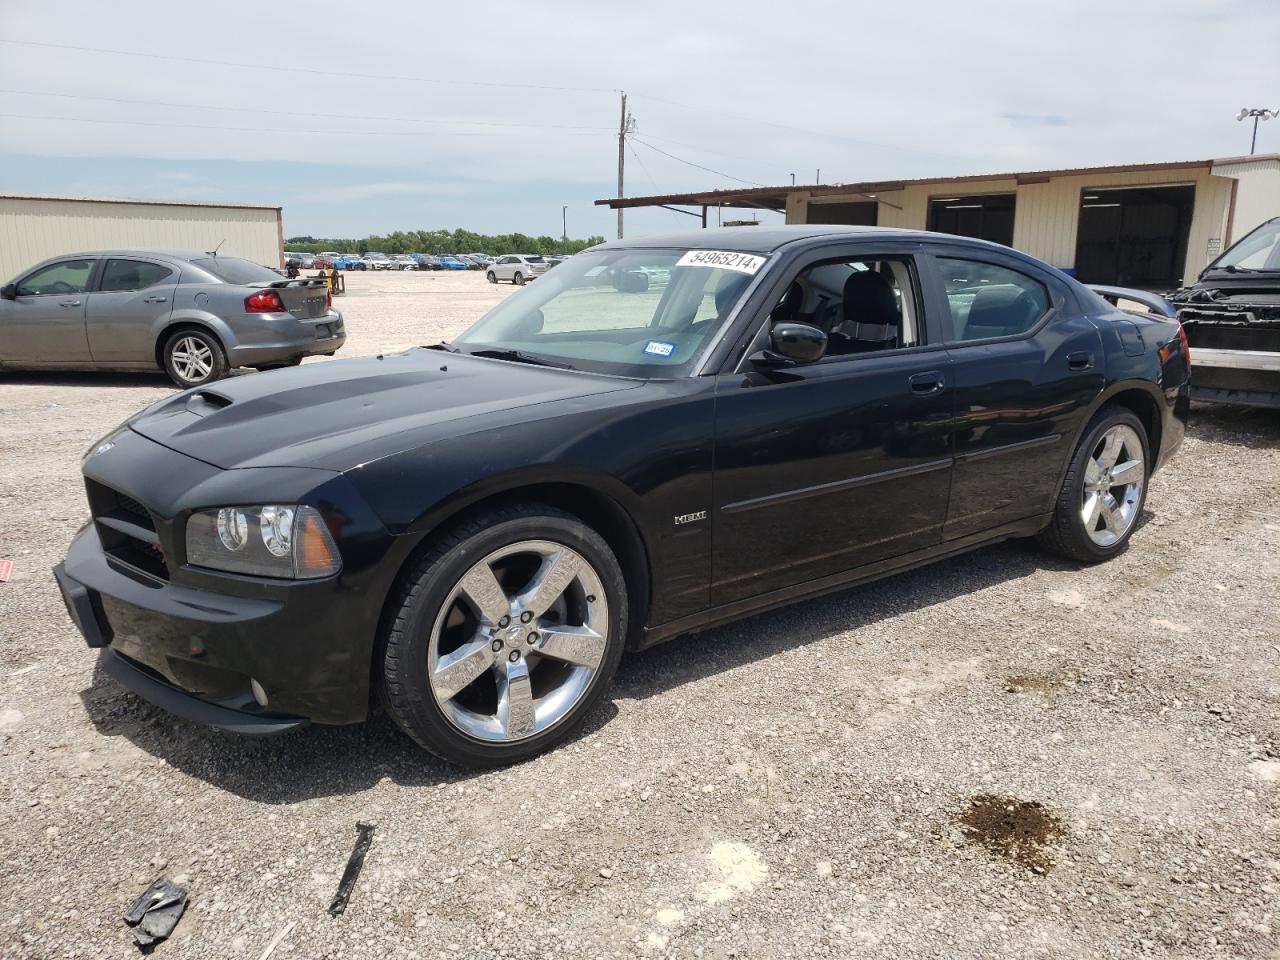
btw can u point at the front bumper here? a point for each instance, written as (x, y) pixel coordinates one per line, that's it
(201, 643)
(1245, 377)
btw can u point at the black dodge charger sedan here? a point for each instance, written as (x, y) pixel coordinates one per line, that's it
(658, 436)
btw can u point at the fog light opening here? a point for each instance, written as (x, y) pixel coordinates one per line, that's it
(258, 693)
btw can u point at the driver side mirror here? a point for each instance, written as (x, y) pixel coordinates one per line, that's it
(792, 343)
(9, 291)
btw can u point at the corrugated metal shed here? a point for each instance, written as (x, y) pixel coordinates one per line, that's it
(33, 228)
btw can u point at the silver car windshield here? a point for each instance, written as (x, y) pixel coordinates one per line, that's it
(630, 312)
(1259, 251)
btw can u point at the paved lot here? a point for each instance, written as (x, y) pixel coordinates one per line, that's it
(1003, 755)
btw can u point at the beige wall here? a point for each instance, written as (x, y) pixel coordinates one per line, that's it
(1257, 193)
(32, 230)
(1047, 214)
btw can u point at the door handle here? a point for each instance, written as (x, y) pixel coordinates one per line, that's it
(154, 299)
(69, 303)
(924, 384)
(1080, 361)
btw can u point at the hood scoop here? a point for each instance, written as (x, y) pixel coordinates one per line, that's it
(204, 402)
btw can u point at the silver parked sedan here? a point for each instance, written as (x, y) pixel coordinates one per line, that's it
(516, 267)
(195, 315)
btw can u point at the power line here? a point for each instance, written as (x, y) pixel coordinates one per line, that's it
(690, 163)
(260, 130)
(827, 134)
(240, 65)
(295, 113)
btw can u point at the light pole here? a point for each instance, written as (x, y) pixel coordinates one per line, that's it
(1257, 114)
(564, 222)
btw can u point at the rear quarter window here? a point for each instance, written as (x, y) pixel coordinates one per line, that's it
(237, 271)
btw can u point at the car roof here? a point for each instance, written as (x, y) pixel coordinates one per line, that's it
(766, 239)
(152, 252)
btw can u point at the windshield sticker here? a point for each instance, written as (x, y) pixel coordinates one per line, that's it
(726, 260)
(659, 348)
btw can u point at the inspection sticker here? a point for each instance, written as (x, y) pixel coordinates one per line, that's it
(724, 259)
(659, 348)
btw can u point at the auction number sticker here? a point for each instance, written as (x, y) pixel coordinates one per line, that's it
(747, 263)
(659, 348)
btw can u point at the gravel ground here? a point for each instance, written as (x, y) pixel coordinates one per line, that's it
(1002, 755)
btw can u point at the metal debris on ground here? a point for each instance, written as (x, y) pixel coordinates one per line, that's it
(349, 876)
(154, 914)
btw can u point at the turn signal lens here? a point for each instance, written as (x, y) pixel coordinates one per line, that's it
(316, 556)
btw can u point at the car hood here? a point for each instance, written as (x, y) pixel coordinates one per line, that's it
(341, 414)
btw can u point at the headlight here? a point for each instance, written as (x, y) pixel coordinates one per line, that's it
(272, 540)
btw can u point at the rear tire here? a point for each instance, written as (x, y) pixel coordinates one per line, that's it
(518, 279)
(1104, 490)
(491, 277)
(459, 673)
(194, 357)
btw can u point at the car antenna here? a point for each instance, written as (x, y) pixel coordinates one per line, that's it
(214, 251)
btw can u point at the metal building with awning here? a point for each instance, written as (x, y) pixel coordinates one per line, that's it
(1150, 225)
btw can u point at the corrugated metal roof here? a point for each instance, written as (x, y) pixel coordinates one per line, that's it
(725, 197)
(136, 200)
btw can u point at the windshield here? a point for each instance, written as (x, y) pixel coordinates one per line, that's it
(1259, 250)
(237, 271)
(634, 313)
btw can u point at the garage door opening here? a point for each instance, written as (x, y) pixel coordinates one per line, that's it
(1135, 237)
(861, 214)
(987, 216)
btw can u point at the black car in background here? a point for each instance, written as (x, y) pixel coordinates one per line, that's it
(659, 436)
(1232, 318)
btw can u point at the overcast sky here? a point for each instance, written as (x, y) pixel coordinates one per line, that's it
(370, 117)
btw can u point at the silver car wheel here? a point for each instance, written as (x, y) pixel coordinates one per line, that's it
(1113, 479)
(517, 641)
(192, 359)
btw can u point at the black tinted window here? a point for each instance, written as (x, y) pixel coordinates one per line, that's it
(69, 276)
(132, 274)
(235, 270)
(989, 301)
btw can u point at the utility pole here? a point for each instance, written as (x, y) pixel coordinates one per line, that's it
(624, 127)
(564, 223)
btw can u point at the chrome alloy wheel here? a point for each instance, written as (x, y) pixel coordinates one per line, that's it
(1113, 479)
(192, 358)
(517, 641)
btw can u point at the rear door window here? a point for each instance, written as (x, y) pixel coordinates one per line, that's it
(988, 301)
(120, 275)
(67, 276)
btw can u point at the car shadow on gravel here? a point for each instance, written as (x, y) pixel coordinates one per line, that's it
(300, 765)
(90, 379)
(693, 657)
(1253, 427)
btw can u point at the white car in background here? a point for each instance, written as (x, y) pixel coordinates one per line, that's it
(516, 267)
(376, 261)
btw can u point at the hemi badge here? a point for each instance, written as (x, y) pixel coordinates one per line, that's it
(691, 517)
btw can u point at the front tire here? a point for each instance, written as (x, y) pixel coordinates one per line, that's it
(1104, 490)
(491, 277)
(193, 358)
(504, 635)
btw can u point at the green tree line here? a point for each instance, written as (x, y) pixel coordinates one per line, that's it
(442, 242)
